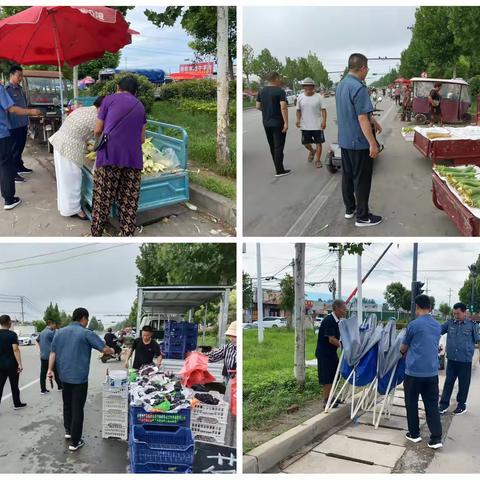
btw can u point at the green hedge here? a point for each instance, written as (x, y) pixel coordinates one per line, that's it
(205, 106)
(146, 89)
(195, 89)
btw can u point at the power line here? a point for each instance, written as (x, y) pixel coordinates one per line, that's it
(62, 259)
(46, 254)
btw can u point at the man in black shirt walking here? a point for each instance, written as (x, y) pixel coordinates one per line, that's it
(10, 361)
(327, 344)
(272, 101)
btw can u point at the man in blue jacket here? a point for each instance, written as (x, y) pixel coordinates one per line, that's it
(462, 335)
(421, 372)
(18, 124)
(71, 350)
(44, 342)
(357, 141)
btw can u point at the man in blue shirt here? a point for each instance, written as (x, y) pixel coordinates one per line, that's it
(462, 335)
(71, 349)
(8, 170)
(44, 342)
(357, 141)
(421, 372)
(18, 125)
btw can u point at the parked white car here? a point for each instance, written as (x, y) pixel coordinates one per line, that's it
(273, 322)
(26, 340)
(291, 97)
(317, 321)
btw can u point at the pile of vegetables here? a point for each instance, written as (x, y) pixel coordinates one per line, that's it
(408, 129)
(154, 161)
(465, 181)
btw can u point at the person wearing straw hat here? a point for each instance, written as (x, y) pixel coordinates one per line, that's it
(312, 120)
(228, 353)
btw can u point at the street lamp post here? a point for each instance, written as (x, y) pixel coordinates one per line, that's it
(474, 273)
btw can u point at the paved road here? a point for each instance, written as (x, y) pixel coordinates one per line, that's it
(309, 202)
(38, 216)
(32, 439)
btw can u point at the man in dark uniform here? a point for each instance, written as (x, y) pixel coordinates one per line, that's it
(327, 344)
(18, 124)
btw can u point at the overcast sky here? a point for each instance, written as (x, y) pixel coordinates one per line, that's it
(164, 48)
(444, 265)
(103, 282)
(333, 33)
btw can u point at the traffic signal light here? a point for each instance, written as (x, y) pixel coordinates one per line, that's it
(417, 288)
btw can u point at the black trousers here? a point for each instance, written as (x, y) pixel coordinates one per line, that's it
(427, 387)
(276, 140)
(74, 398)
(13, 375)
(43, 375)
(7, 170)
(357, 166)
(19, 137)
(462, 371)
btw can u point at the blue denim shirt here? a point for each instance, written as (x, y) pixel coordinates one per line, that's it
(352, 100)
(19, 98)
(422, 339)
(45, 340)
(5, 103)
(72, 346)
(461, 339)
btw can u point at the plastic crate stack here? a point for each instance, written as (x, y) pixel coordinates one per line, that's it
(115, 409)
(180, 338)
(209, 422)
(160, 442)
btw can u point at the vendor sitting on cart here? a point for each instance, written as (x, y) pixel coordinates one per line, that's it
(145, 348)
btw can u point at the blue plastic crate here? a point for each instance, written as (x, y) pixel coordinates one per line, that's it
(154, 468)
(170, 449)
(174, 356)
(139, 416)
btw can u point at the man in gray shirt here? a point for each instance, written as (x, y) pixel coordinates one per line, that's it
(44, 342)
(71, 351)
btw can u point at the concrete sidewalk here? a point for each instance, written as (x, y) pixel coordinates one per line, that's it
(38, 216)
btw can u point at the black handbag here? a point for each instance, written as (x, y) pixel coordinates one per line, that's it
(102, 140)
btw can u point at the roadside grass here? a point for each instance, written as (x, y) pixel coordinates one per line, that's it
(215, 183)
(202, 132)
(248, 103)
(269, 386)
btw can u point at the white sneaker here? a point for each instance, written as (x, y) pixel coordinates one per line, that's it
(74, 448)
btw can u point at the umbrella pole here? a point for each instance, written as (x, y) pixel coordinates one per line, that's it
(55, 33)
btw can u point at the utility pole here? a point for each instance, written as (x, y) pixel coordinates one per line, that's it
(449, 297)
(473, 272)
(426, 288)
(299, 313)
(414, 279)
(259, 295)
(339, 283)
(21, 303)
(359, 290)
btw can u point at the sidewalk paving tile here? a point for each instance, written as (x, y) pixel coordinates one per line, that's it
(367, 432)
(385, 455)
(395, 422)
(315, 462)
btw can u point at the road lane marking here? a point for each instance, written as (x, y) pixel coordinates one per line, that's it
(22, 388)
(304, 221)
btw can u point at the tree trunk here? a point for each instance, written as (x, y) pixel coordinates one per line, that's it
(299, 314)
(223, 153)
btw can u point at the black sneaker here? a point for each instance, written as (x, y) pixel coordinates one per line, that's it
(371, 221)
(435, 444)
(459, 410)
(349, 214)
(74, 448)
(44, 392)
(18, 407)
(282, 174)
(19, 179)
(413, 439)
(9, 206)
(25, 170)
(442, 409)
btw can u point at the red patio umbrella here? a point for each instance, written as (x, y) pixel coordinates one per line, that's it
(62, 35)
